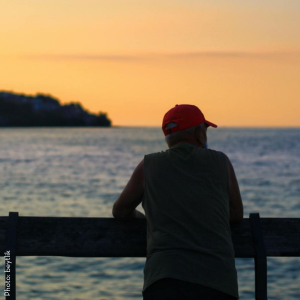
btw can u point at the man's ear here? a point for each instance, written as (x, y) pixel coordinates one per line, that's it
(204, 133)
(199, 136)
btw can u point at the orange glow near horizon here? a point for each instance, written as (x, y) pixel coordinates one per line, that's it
(238, 62)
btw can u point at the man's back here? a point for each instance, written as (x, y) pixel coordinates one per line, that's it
(186, 201)
(190, 195)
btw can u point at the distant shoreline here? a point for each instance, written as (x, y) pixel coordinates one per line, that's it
(19, 110)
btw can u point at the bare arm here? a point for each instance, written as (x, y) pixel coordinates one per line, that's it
(131, 197)
(235, 203)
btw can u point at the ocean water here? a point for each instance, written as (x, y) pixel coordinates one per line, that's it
(80, 172)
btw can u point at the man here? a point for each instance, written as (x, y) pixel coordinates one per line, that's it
(190, 195)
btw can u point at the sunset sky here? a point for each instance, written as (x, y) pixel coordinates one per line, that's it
(238, 61)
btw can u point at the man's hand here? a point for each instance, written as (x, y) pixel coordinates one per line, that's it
(131, 197)
(134, 214)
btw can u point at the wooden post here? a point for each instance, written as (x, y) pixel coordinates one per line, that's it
(260, 258)
(10, 257)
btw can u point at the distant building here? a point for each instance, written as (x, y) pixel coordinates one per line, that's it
(44, 103)
(12, 97)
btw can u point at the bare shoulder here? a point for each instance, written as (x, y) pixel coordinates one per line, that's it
(229, 164)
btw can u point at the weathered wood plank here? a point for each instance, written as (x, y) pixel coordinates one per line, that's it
(281, 236)
(108, 237)
(86, 237)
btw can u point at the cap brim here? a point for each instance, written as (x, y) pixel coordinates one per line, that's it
(210, 124)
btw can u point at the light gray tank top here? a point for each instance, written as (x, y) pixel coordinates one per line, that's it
(186, 202)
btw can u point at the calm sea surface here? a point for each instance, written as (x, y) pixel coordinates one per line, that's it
(80, 172)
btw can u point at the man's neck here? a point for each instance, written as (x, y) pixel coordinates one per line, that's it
(193, 142)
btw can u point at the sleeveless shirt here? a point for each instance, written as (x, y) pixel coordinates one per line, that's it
(186, 202)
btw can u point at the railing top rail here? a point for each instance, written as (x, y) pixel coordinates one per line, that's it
(109, 237)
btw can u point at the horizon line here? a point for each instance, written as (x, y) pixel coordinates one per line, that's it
(219, 127)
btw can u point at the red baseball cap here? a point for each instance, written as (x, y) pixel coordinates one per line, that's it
(186, 116)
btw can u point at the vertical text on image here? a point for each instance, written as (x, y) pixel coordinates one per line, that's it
(7, 268)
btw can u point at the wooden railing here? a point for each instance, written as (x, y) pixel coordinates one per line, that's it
(107, 237)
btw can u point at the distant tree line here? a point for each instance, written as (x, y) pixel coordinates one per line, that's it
(44, 110)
